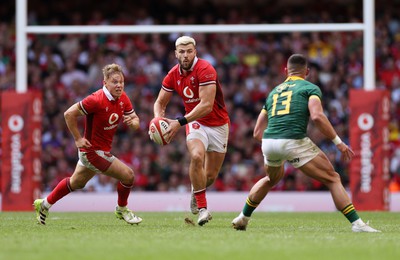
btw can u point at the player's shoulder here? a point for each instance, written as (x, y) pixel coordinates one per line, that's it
(307, 85)
(203, 68)
(202, 63)
(310, 84)
(312, 89)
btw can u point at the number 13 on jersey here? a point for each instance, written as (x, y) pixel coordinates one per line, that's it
(284, 99)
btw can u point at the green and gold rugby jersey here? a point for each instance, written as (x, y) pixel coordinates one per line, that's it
(287, 108)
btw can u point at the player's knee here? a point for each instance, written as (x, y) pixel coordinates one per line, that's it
(272, 182)
(274, 178)
(129, 177)
(197, 159)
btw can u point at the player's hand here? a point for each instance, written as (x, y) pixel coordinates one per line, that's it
(347, 152)
(173, 128)
(131, 121)
(83, 143)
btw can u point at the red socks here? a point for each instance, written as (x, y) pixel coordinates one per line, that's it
(123, 194)
(62, 189)
(201, 198)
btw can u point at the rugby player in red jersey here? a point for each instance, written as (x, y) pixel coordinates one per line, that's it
(103, 109)
(206, 119)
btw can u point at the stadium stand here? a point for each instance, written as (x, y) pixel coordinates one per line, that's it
(67, 67)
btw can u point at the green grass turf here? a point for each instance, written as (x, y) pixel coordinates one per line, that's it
(166, 236)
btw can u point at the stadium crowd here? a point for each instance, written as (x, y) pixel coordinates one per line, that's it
(66, 67)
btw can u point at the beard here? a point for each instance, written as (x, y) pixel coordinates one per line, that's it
(186, 65)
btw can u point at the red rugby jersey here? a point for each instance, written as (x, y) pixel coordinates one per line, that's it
(103, 113)
(201, 75)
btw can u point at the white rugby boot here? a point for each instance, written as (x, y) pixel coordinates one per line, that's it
(204, 216)
(127, 215)
(360, 226)
(240, 222)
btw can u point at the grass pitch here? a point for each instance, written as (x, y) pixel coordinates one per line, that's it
(166, 236)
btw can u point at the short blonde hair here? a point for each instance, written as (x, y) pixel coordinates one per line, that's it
(185, 40)
(110, 69)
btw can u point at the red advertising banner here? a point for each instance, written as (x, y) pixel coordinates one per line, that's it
(21, 123)
(369, 138)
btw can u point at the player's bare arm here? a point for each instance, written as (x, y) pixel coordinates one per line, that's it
(161, 103)
(261, 124)
(132, 120)
(321, 121)
(71, 119)
(319, 118)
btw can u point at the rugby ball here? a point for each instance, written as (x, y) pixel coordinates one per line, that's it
(157, 128)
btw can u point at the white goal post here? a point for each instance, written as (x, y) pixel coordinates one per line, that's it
(367, 27)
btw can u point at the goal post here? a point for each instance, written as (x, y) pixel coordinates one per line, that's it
(367, 27)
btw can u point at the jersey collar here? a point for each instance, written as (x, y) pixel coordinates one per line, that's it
(108, 94)
(191, 68)
(293, 78)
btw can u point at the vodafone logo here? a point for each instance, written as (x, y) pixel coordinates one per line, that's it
(365, 121)
(37, 106)
(15, 123)
(188, 92)
(113, 118)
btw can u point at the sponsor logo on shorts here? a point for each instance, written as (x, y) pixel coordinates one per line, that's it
(295, 160)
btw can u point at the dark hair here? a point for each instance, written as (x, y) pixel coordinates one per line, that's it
(297, 60)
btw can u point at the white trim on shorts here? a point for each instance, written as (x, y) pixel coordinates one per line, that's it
(295, 151)
(214, 139)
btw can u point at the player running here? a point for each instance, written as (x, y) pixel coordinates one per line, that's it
(206, 119)
(103, 109)
(282, 129)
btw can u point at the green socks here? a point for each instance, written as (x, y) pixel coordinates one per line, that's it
(350, 213)
(249, 207)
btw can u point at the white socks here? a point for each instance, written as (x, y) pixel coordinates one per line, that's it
(358, 222)
(46, 204)
(243, 216)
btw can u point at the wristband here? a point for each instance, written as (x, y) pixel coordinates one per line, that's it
(182, 120)
(337, 140)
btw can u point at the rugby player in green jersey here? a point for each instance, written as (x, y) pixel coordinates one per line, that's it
(282, 128)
